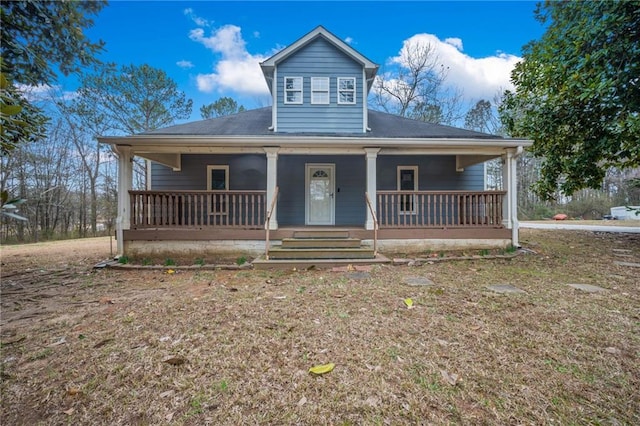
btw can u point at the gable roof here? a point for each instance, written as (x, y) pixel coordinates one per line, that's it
(256, 123)
(268, 66)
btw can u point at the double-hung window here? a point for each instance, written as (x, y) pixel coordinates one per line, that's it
(407, 181)
(346, 90)
(218, 180)
(293, 90)
(320, 90)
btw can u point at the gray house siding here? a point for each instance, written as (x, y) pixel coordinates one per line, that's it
(350, 208)
(246, 172)
(435, 173)
(319, 59)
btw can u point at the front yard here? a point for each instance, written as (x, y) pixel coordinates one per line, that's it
(195, 347)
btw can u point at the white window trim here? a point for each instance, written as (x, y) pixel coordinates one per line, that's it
(223, 209)
(315, 90)
(346, 90)
(286, 91)
(402, 210)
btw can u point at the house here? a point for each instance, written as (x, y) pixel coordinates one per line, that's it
(318, 159)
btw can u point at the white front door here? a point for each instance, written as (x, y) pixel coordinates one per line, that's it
(320, 199)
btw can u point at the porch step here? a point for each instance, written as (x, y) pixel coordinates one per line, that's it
(313, 243)
(363, 252)
(317, 234)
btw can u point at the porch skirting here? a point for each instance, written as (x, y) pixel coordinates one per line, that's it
(201, 242)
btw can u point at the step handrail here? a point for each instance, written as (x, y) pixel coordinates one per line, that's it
(268, 221)
(375, 224)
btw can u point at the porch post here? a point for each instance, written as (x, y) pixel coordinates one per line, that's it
(125, 179)
(272, 182)
(372, 184)
(506, 186)
(510, 203)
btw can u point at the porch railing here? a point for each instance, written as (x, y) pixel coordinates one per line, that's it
(223, 209)
(437, 209)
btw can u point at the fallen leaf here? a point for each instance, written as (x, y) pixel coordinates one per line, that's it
(450, 378)
(62, 341)
(169, 417)
(171, 271)
(106, 301)
(69, 411)
(176, 360)
(73, 391)
(280, 297)
(302, 401)
(409, 302)
(102, 343)
(322, 369)
(612, 350)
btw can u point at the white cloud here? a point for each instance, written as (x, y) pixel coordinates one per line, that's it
(45, 92)
(185, 64)
(478, 78)
(237, 69)
(201, 22)
(348, 40)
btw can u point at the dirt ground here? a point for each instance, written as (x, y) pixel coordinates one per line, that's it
(133, 347)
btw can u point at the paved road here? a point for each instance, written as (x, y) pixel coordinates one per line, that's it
(598, 228)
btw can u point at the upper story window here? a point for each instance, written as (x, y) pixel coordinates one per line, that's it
(346, 90)
(319, 90)
(293, 90)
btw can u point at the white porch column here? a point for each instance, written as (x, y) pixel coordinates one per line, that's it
(510, 202)
(272, 182)
(125, 183)
(372, 184)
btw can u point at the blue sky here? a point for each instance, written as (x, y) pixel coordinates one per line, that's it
(212, 48)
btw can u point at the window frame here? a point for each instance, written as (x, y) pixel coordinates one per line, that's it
(407, 203)
(218, 203)
(341, 90)
(287, 91)
(315, 90)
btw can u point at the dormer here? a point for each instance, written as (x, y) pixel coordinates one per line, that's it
(319, 84)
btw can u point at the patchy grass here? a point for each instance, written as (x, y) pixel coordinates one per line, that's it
(461, 355)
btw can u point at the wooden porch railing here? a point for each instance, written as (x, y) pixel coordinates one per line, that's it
(437, 209)
(175, 209)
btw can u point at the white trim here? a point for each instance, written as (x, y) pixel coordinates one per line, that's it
(307, 178)
(224, 167)
(340, 90)
(274, 102)
(371, 155)
(315, 91)
(365, 112)
(294, 90)
(399, 170)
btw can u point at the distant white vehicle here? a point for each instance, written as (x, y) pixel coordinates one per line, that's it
(623, 212)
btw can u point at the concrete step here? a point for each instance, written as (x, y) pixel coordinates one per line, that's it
(317, 234)
(320, 253)
(309, 243)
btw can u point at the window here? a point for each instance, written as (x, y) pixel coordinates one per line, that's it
(407, 181)
(346, 90)
(319, 90)
(293, 90)
(218, 180)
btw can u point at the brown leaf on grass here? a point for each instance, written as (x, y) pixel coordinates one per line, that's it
(175, 360)
(450, 378)
(69, 411)
(102, 343)
(106, 301)
(73, 391)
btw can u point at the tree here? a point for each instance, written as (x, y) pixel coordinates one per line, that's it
(415, 88)
(578, 93)
(35, 36)
(135, 99)
(481, 118)
(223, 106)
